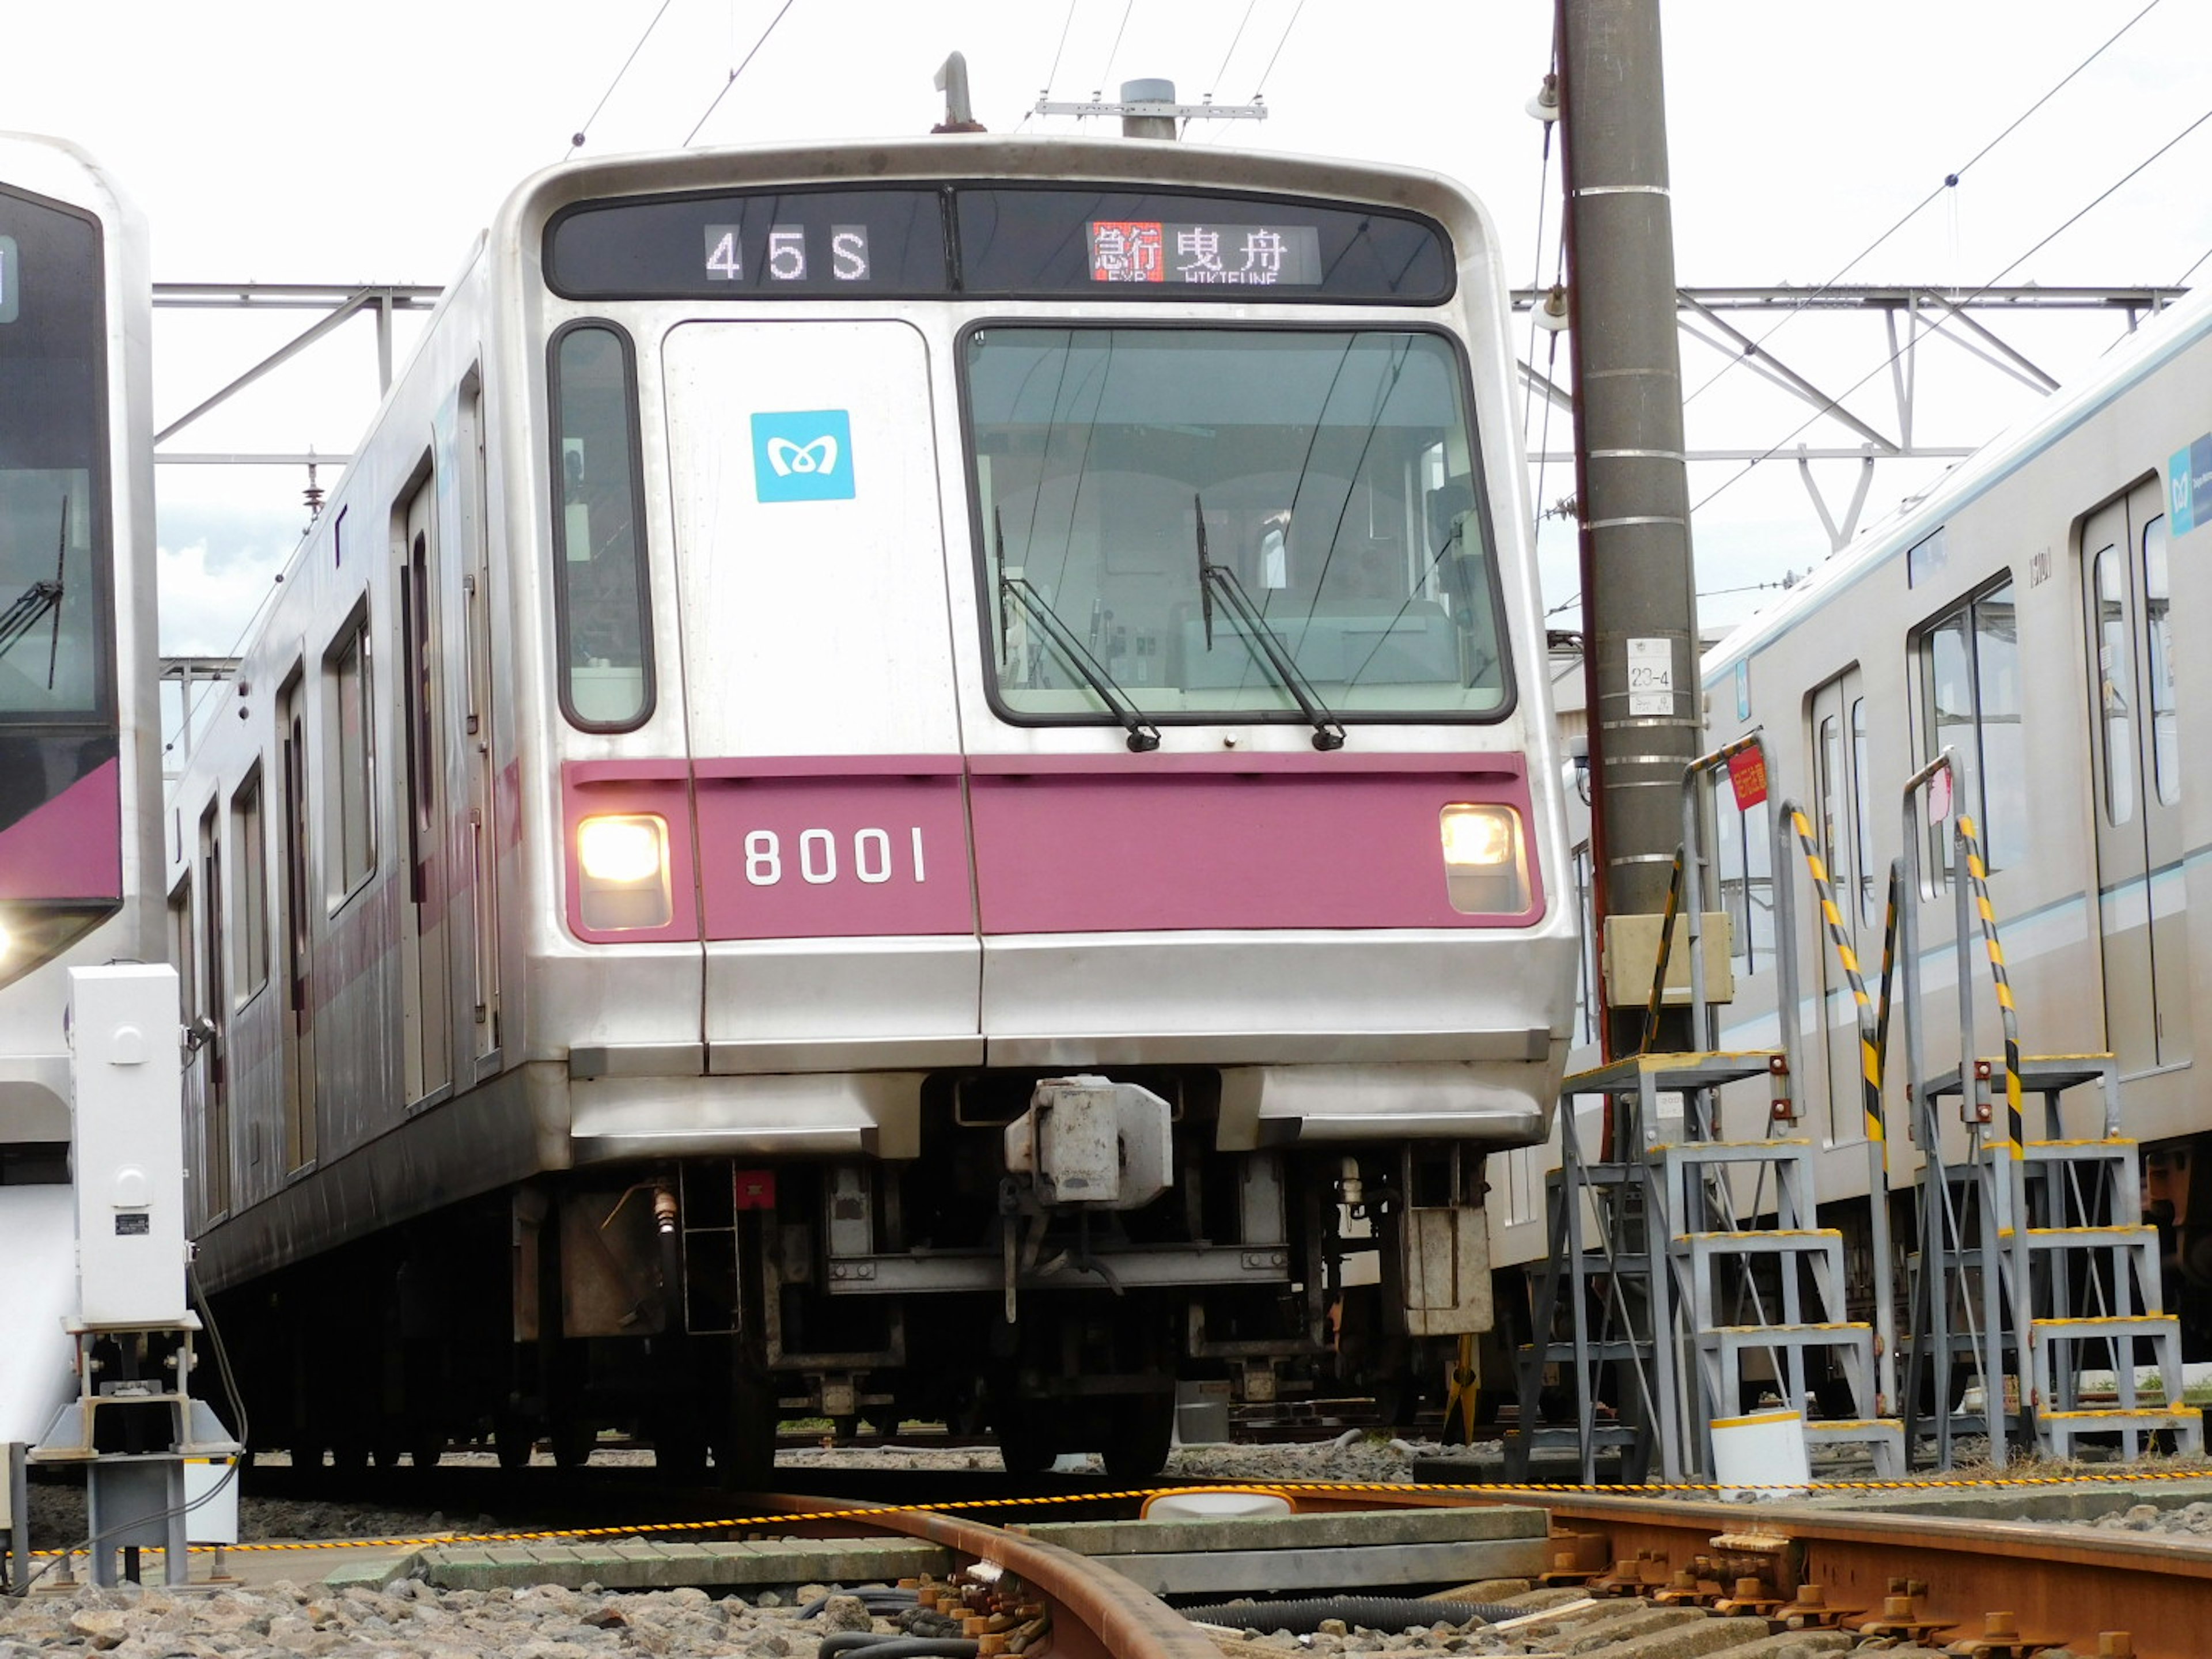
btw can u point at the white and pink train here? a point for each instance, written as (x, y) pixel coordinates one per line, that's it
(904, 779)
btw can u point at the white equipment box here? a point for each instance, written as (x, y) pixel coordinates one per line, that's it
(129, 1169)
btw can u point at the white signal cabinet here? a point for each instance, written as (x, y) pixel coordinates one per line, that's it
(127, 1100)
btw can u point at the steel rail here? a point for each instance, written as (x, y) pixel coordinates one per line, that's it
(2066, 1583)
(1097, 1613)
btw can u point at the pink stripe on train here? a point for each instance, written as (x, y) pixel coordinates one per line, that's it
(71, 848)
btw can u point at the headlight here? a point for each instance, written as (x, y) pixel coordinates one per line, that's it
(621, 864)
(32, 934)
(1485, 864)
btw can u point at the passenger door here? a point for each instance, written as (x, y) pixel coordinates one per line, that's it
(1842, 826)
(297, 929)
(2136, 759)
(818, 693)
(426, 980)
(477, 727)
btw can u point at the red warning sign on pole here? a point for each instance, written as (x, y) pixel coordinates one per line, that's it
(1748, 777)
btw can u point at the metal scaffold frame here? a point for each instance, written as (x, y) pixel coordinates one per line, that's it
(1677, 1277)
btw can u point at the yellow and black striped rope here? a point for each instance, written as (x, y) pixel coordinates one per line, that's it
(1531, 1489)
(1839, 937)
(1978, 874)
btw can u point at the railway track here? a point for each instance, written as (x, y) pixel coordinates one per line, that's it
(1610, 1571)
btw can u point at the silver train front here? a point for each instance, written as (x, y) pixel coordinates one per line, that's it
(655, 904)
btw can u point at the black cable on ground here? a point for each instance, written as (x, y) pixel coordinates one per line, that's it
(1384, 1612)
(896, 1647)
(875, 1597)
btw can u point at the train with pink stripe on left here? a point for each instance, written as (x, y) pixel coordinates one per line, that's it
(906, 780)
(80, 780)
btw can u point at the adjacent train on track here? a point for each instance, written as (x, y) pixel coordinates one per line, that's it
(2032, 613)
(903, 779)
(80, 841)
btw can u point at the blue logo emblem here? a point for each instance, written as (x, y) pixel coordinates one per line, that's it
(805, 455)
(2180, 496)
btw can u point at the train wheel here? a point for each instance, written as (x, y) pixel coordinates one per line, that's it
(744, 1431)
(1139, 1432)
(573, 1443)
(1026, 1444)
(679, 1448)
(512, 1439)
(426, 1448)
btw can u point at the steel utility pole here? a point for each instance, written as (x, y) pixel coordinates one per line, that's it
(1639, 593)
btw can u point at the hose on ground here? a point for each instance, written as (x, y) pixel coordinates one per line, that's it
(1384, 1612)
(897, 1647)
(876, 1598)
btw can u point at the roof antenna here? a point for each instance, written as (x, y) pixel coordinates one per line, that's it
(952, 82)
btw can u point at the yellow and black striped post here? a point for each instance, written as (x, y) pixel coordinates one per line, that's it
(1839, 937)
(1978, 874)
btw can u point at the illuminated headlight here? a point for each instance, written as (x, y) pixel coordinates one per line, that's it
(1485, 863)
(621, 865)
(34, 933)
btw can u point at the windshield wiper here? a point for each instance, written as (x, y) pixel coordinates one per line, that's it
(1144, 735)
(1328, 730)
(35, 601)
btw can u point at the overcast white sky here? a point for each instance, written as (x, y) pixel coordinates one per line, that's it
(282, 142)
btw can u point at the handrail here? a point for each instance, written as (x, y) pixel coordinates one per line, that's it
(1791, 819)
(1978, 876)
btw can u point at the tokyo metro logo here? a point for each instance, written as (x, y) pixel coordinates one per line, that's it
(803, 455)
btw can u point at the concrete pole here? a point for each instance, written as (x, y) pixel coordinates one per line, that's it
(1639, 594)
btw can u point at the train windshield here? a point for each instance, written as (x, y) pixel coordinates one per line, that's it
(53, 657)
(1153, 498)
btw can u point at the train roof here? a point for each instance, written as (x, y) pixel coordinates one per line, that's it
(2156, 342)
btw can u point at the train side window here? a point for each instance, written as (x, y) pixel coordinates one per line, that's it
(1971, 700)
(2115, 685)
(599, 573)
(250, 886)
(1829, 773)
(1744, 858)
(350, 790)
(180, 947)
(1870, 898)
(2158, 649)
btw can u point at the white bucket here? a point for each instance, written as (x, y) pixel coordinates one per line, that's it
(1762, 1455)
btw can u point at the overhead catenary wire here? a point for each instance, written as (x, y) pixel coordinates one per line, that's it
(1250, 6)
(1105, 75)
(1937, 327)
(736, 72)
(576, 142)
(1950, 183)
(1262, 87)
(1235, 39)
(1052, 75)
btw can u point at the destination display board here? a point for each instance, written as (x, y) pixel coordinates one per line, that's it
(998, 240)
